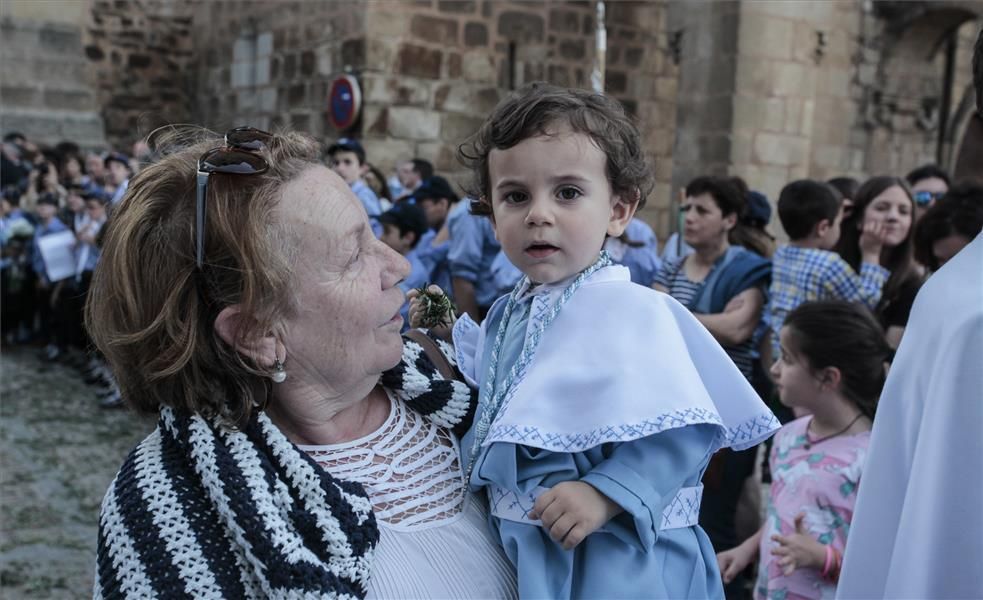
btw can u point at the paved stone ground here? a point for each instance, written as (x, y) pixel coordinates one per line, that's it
(58, 453)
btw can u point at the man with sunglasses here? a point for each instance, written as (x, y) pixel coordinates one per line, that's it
(928, 184)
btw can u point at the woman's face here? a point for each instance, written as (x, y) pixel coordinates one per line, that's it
(704, 223)
(893, 209)
(347, 326)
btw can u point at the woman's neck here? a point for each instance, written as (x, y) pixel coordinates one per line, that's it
(311, 418)
(837, 416)
(707, 255)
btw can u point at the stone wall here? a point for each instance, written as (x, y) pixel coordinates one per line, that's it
(47, 90)
(140, 51)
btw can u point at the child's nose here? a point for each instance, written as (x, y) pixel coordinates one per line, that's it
(539, 213)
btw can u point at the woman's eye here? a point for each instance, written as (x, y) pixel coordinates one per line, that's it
(568, 193)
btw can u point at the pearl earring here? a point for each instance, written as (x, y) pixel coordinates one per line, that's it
(279, 375)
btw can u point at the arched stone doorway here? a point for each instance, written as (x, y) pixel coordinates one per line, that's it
(917, 111)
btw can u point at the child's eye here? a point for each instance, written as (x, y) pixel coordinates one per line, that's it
(568, 193)
(514, 197)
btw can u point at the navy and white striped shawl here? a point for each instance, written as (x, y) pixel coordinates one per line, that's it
(198, 510)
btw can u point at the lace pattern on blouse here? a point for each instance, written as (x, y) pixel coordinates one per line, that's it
(409, 468)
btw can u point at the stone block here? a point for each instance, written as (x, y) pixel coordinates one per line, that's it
(829, 157)
(573, 49)
(18, 95)
(434, 29)
(413, 123)
(60, 39)
(479, 67)
(456, 128)
(793, 79)
(417, 61)
(289, 66)
(69, 99)
(457, 6)
(559, 75)
(766, 36)
(264, 44)
(806, 127)
(741, 144)
(564, 21)
(381, 53)
(834, 81)
(667, 88)
(475, 34)
(759, 114)
(241, 74)
(442, 155)
(261, 72)
(754, 76)
(453, 65)
(267, 100)
(522, 27)
(385, 152)
(780, 150)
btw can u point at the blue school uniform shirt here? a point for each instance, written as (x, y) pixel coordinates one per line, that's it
(473, 247)
(371, 203)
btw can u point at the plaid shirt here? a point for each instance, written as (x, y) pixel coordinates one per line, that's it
(801, 275)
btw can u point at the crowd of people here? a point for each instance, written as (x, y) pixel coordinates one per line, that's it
(806, 327)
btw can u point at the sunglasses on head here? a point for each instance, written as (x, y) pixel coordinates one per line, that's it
(239, 156)
(925, 198)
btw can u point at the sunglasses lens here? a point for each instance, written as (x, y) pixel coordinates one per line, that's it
(223, 160)
(923, 198)
(247, 137)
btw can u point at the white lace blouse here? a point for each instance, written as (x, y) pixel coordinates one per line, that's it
(434, 536)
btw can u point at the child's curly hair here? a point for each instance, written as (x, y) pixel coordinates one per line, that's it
(537, 107)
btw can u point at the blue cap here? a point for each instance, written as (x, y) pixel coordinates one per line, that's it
(348, 145)
(758, 208)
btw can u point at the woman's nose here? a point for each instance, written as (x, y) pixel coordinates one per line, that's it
(397, 268)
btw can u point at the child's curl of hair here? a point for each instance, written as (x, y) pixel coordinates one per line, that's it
(535, 110)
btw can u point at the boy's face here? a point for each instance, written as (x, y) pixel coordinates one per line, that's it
(96, 209)
(392, 238)
(47, 211)
(435, 211)
(552, 204)
(346, 165)
(118, 172)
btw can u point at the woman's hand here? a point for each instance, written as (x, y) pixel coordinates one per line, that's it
(872, 241)
(735, 560)
(798, 550)
(572, 510)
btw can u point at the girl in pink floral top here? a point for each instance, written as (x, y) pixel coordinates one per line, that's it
(831, 365)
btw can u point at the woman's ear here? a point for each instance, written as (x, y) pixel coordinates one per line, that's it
(730, 221)
(622, 212)
(231, 323)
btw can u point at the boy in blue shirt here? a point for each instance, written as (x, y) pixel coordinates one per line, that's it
(346, 157)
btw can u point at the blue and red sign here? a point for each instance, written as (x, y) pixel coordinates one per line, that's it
(344, 102)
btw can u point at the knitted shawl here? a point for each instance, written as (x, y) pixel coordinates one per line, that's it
(200, 510)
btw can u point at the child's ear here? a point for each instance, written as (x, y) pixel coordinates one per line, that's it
(622, 212)
(831, 378)
(822, 228)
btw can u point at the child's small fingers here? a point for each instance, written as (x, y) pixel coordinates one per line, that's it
(574, 537)
(435, 289)
(412, 294)
(543, 502)
(560, 528)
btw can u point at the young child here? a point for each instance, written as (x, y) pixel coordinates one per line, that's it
(601, 401)
(346, 157)
(806, 269)
(831, 365)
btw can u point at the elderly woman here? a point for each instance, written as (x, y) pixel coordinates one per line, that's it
(243, 298)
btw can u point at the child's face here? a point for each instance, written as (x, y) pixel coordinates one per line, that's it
(552, 204)
(96, 209)
(346, 165)
(392, 238)
(796, 383)
(435, 211)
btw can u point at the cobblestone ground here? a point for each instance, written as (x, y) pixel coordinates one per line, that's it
(58, 453)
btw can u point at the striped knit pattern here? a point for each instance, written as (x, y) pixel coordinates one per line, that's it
(201, 511)
(416, 381)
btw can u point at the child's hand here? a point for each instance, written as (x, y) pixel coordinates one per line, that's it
(733, 561)
(572, 510)
(871, 241)
(798, 550)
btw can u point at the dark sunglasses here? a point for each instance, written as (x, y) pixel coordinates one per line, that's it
(238, 157)
(925, 198)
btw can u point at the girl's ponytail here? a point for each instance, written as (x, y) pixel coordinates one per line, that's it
(846, 336)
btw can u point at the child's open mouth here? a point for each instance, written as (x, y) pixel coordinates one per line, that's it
(541, 250)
